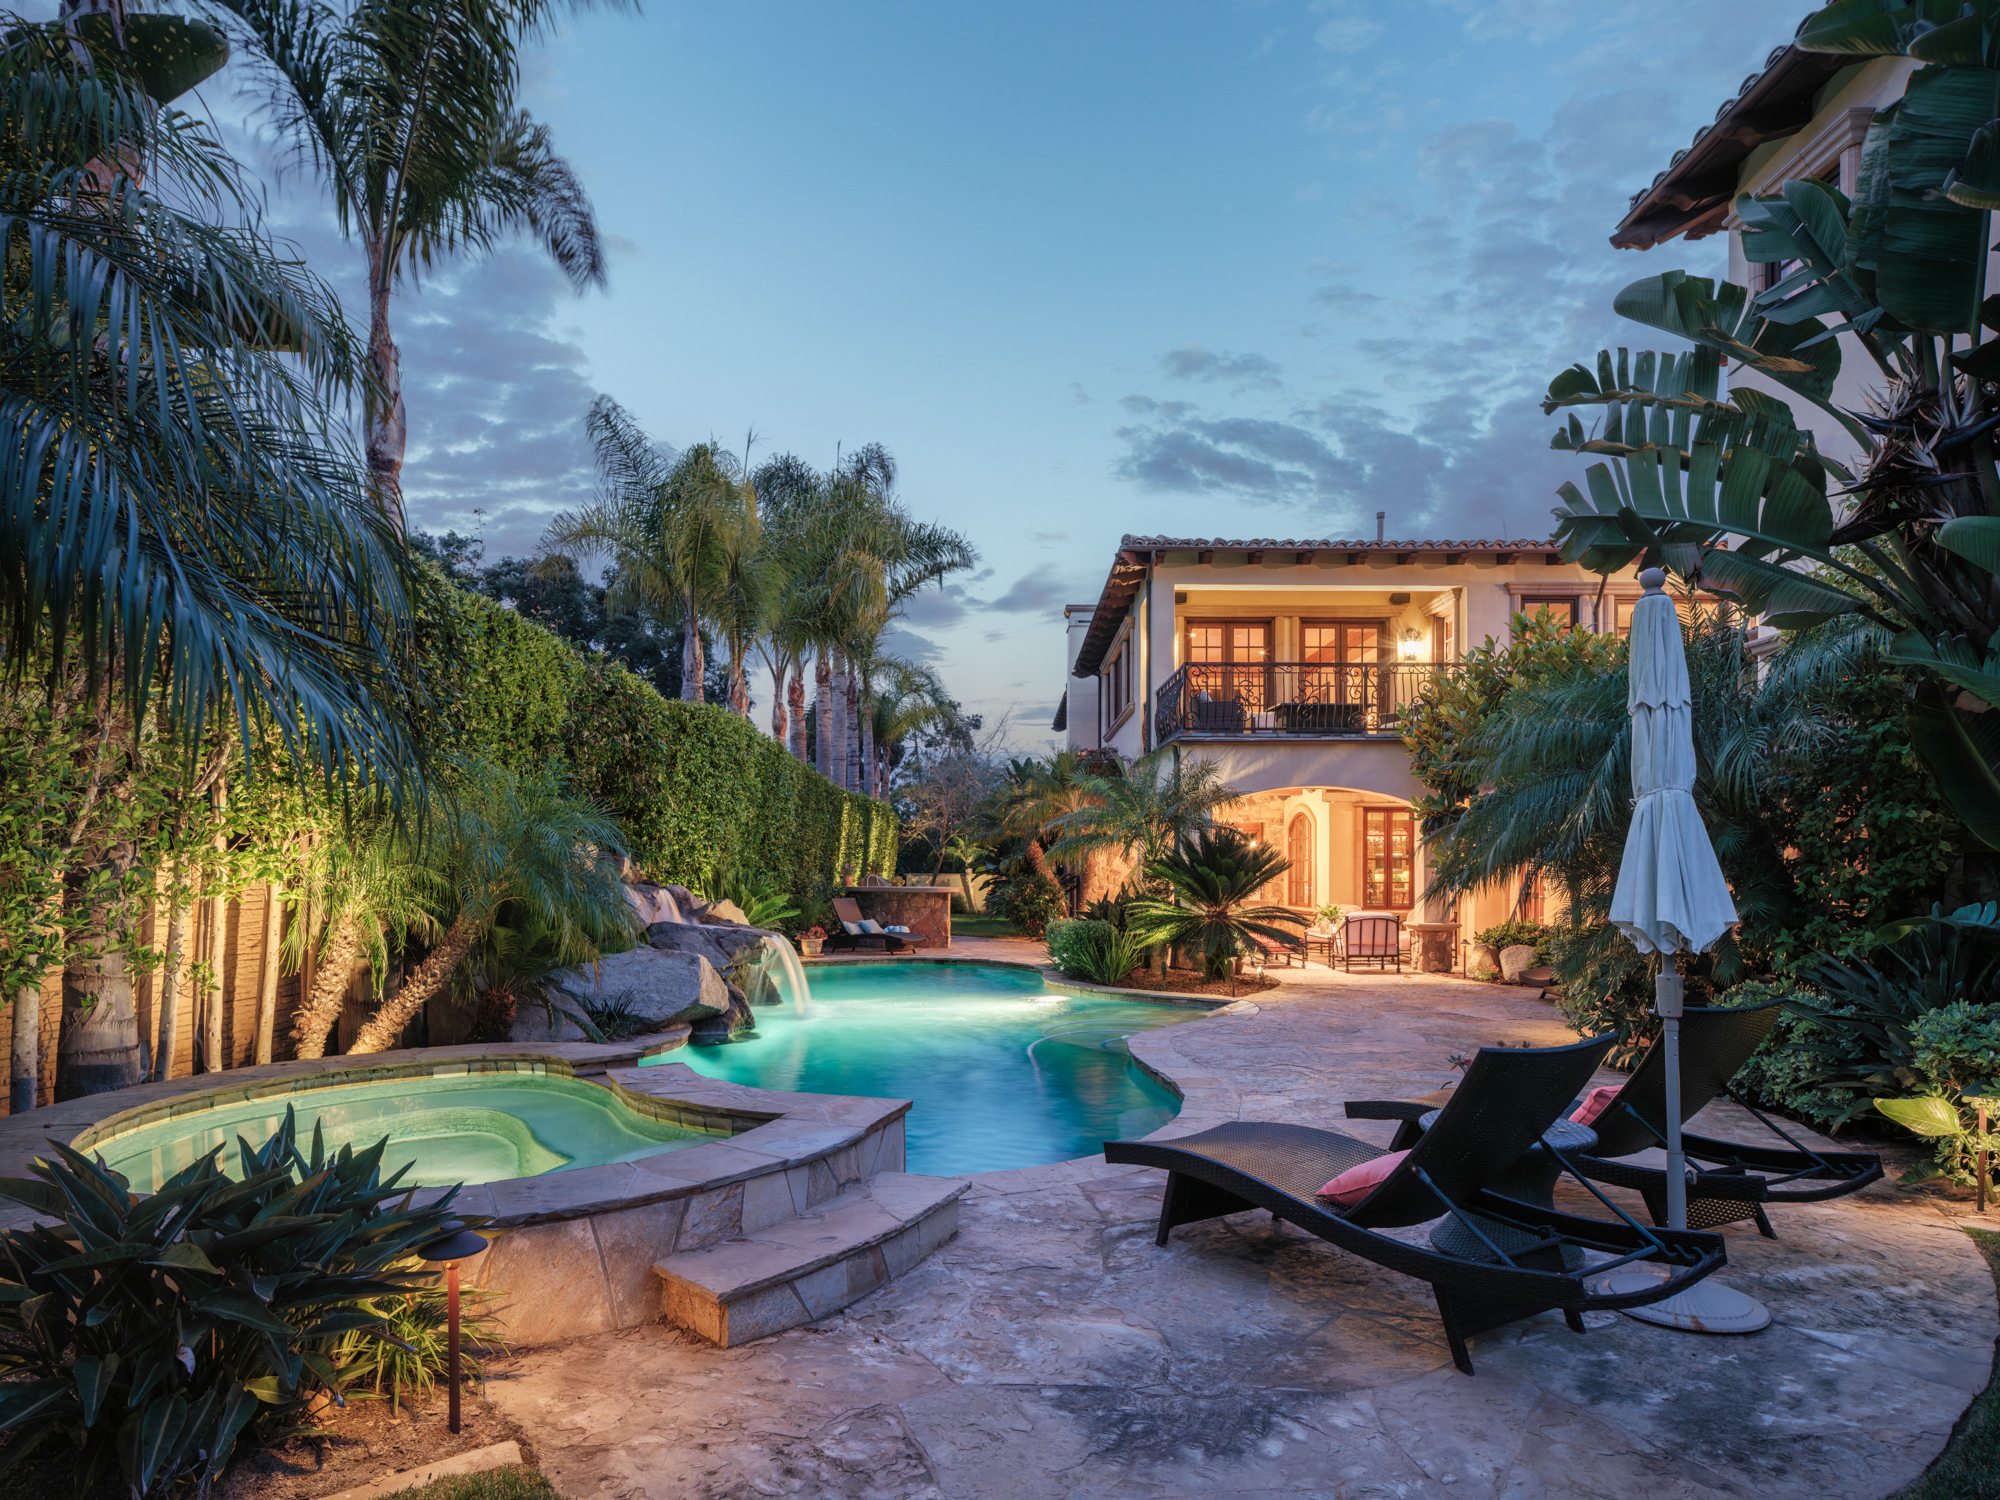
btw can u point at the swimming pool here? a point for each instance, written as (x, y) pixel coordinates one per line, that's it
(470, 1128)
(1003, 1071)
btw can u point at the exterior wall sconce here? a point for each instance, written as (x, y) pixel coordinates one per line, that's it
(1412, 643)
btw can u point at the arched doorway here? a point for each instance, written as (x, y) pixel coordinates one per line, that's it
(1299, 850)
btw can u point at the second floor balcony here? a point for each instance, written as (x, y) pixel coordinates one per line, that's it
(1228, 700)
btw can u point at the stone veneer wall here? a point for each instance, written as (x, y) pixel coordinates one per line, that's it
(924, 909)
(593, 1272)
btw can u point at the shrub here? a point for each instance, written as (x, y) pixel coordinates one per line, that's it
(1108, 956)
(198, 1308)
(1957, 1053)
(412, 1349)
(1515, 933)
(1783, 1073)
(1033, 901)
(695, 787)
(1069, 941)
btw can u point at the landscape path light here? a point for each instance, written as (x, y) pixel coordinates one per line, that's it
(457, 1244)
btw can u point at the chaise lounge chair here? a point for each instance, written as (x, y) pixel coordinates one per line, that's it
(854, 934)
(1728, 1182)
(1524, 1257)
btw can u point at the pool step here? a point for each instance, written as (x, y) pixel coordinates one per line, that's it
(802, 1269)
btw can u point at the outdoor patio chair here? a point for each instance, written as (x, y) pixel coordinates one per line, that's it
(1530, 1257)
(1218, 715)
(1376, 940)
(855, 935)
(1728, 1182)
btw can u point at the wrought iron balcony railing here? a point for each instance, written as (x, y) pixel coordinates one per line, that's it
(1291, 698)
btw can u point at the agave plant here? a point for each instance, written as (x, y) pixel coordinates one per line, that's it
(1216, 877)
(151, 1330)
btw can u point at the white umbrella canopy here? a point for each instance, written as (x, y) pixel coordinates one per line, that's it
(1671, 898)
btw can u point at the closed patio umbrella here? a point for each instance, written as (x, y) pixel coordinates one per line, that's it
(1671, 898)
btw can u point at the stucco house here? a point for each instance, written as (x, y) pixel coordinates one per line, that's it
(1291, 664)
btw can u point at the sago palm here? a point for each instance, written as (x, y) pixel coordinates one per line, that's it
(1216, 878)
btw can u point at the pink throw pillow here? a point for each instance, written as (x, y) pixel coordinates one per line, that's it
(1356, 1183)
(1594, 1104)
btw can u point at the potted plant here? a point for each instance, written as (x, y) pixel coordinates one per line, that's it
(812, 940)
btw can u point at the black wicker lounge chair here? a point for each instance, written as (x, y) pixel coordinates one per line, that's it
(849, 912)
(1729, 1182)
(1531, 1255)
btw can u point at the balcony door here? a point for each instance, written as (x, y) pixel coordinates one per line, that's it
(1340, 657)
(1229, 662)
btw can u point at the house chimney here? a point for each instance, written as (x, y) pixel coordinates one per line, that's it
(1378, 526)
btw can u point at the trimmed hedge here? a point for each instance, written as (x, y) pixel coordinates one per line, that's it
(694, 785)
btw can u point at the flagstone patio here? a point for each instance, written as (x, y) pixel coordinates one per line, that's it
(1052, 1351)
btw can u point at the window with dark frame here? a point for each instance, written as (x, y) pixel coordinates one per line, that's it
(1388, 859)
(1228, 641)
(1118, 682)
(1561, 609)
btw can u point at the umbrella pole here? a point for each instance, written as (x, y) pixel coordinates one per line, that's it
(1667, 1004)
(1705, 1307)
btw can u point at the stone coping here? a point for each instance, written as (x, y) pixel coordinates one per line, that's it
(1051, 976)
(759, 1131)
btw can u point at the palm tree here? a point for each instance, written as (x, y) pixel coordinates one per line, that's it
(1040, 796)
(684, 532)
(180, 524)
(359, 897)
(405, 109)
(506, 838)
(1215, 877)
(1159, 803)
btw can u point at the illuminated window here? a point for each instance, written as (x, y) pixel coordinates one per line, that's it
(1561, 610)
(1299, 850)
(1348, 642)
(1388, 858)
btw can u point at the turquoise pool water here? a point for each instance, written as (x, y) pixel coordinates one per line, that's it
(1003, 1071)
(478, 1127)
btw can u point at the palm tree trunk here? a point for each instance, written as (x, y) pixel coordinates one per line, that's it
(796, 697)
(778, 702)
(692, 664)
(212, 1059)
(168, 1037)
(837, 771)
(382, 1028)
(828, 726)
(98, 1048)
(24, 1085)
(335, 972)
(267, 977)
(857, 759)
(387, 423)
(867, 769)
(739, 689)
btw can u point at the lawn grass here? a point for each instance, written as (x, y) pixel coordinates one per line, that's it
(1969, 1467)
(963, 926)
(514, 1482)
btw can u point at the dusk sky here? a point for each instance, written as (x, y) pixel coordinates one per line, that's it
(1086, 269)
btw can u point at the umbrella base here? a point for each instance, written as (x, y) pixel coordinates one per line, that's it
(1704, 1307)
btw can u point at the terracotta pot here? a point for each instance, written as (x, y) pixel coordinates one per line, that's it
(812, 946)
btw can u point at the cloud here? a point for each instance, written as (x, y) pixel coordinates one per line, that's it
(1034, 592)
(1194, 362)
(1079, 395)
(1487, 275)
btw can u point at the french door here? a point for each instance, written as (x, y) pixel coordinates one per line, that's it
(1388, 859)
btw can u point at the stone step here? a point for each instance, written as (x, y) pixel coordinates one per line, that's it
(806, 1268)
